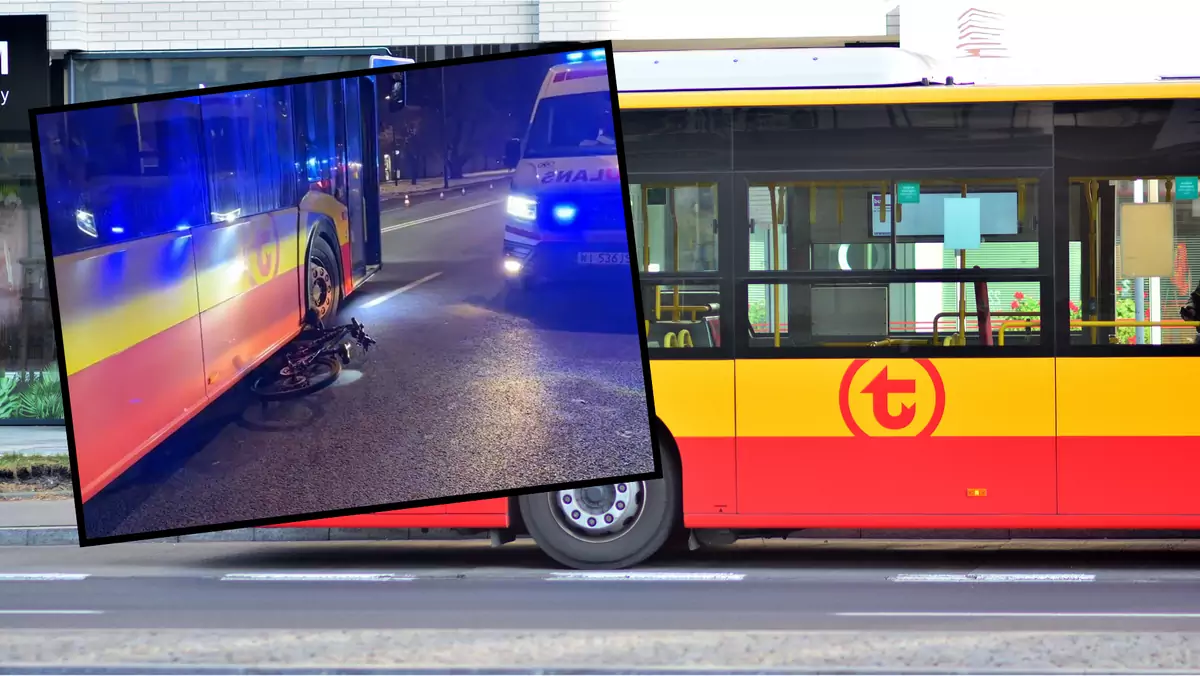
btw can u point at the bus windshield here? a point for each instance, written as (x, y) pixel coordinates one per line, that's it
(572, 125)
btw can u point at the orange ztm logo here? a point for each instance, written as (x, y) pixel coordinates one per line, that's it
(262, 251)
(892, 397)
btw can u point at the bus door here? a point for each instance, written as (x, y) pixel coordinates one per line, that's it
(355, 198)
(371, 246)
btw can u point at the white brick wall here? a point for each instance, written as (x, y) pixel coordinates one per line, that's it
(106, 25)
(100, 25)
(576, 19)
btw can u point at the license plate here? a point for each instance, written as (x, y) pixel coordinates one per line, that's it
(604, 259)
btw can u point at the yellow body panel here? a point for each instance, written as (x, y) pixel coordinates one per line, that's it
(94, 331)
(694, 398)
(1127, 396)
(982, 397)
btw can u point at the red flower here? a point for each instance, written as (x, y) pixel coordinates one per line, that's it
(1015, 305)
(1071, 304)
(1019, 296)
(1131, 340)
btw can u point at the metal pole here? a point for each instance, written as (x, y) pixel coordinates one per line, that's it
(1139, 284)
(445, 144)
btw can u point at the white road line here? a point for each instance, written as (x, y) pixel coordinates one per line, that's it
(448, 214)
(51, 612)
(407, 287)
(648, 576)
(316, 577)
(993, 577)
(1166, 616)
(41, 577)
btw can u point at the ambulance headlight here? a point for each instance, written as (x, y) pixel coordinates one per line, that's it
(522, 208)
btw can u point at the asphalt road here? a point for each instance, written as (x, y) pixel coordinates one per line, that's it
(465, 393)
(463, 605)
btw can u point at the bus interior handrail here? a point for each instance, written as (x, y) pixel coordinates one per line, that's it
(1166, 324)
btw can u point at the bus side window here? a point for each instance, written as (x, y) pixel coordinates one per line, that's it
(122, 172)
(248, 146)
(317, 152)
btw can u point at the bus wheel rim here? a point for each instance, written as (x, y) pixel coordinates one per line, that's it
(599, 514)
(320, 290)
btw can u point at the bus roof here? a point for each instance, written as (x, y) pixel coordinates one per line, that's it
(833, 76)
(721, 69)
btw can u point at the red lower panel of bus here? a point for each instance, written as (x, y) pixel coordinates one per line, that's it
(491, 513)
(900, 475)
(1129, 475)
(709, 474)
(942, 521)
(119, 406)
(124, 406)
(242, 331)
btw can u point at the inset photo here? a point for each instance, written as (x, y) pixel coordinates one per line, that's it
(393, 287)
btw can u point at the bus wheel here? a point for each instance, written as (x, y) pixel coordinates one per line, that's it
(614, 526)
(324, 293)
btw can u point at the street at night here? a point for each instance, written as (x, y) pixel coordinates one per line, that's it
(465, 393)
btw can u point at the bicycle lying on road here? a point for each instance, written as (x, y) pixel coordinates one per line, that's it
(313, 361)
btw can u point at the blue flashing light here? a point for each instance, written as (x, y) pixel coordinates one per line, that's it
(575, 57)
(597, 54)
(118, 230)
(565, 213)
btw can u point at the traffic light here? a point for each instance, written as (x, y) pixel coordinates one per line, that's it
(398, 94)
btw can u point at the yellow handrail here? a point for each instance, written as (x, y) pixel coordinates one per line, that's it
(681, 339)
(1166, 324)
(942, 315)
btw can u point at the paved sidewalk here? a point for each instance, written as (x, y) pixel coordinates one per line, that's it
(33, 440)
(431, 187)
(37, 513)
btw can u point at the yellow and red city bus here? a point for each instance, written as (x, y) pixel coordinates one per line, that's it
(812, 254)
(189, 236)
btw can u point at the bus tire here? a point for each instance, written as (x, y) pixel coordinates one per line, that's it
(549, 522)
(324, 291)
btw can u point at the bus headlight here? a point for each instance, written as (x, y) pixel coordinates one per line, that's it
(522, 208)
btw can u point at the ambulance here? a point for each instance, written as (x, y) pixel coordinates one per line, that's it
(565, 218)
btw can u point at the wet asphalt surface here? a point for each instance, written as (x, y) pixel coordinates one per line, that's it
(466, 392)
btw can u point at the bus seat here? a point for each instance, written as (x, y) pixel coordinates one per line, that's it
(699, 332)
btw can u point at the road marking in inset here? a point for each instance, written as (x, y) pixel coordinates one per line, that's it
(407, 287)
(993, 577)
(1035, 615)
(51, 612)
(448, 214)
(42, 577)
(316, 577)
(648, 576)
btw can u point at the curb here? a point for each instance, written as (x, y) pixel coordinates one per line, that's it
(69, 535)
(426, 194)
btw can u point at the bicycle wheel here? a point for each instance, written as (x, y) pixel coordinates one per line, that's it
(318, 374)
